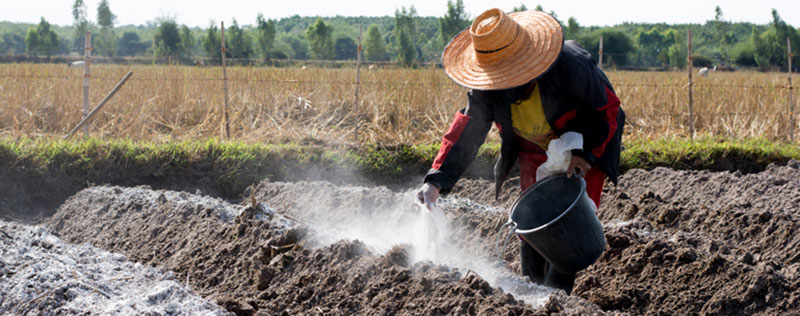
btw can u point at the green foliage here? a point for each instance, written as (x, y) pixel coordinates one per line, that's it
(106, 43)
(212, 43)
(701, 61)
(346, 48)
(187, 41)
(80, 23)
(453, 22)
(405, 34)
(320, 40)
(724, 42)
(743, 54)
(572, 30)
(266, 35)
(167, 41)
(130, 44)
(238, 44)
(106, 40)
(297, 44)
(770, 46)
(616, 44)
(522, 7)
(105, 19)
(236, 165)
(32, 42)
(374, 45)
(41, 39)
(677, 55)
(706, 153)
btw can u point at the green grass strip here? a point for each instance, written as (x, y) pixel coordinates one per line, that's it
(231, 166)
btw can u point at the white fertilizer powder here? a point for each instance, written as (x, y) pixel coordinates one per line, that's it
(429, 237)
(42, 275)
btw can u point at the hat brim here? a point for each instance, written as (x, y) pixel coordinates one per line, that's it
(520, 65)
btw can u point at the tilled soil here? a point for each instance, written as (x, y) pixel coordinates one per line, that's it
(253, 260)
(679, 242)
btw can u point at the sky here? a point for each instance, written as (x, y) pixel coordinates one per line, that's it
(587, 12)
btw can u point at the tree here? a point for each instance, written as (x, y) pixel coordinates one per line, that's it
(167, 40)
(721, 34)
(346, 48)
(616, 43)
(212, 44)
(770, 46)
(106, 41)
(32, 42)
(105, 19)
(521, 8)
(453, 22)
(41, 40)
(187, 42)
(130, 44)
(238, 44)
(320, 40)
(15, 43)
(266, 35)
(374, 46)
(573, 28)
(80, 23)
(405, 35)
(293, 45)
(654, 46)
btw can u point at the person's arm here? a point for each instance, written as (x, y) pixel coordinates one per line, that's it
(596, 115)
(461, 142)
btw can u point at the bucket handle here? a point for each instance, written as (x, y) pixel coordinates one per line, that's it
(499, 252)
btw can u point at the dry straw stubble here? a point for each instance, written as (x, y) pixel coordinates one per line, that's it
(398, 106)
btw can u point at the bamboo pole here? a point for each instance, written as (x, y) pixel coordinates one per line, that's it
(87, 58)
(691, 83)
(358, 79)
(600, 51)
(225, 84)
(85, 121)
(791, 91)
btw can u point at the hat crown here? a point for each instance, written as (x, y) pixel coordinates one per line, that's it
(492, 32)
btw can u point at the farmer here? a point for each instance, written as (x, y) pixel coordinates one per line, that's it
(534, 87)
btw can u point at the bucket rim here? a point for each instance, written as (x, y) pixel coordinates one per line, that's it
(551, 222)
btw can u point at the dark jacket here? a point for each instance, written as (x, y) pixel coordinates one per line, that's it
(576, 96)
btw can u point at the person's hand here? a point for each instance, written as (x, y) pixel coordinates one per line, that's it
(579, 166)
(427, 195)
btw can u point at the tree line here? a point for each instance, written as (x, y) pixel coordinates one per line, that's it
(405, 38)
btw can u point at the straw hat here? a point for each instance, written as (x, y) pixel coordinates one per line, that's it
(501, 51)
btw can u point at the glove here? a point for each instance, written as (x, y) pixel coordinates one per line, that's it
(427, 195)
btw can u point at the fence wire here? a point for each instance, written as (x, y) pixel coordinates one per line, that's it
(349, 83)
(682, 114)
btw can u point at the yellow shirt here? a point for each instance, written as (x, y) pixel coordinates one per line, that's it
(529, 121)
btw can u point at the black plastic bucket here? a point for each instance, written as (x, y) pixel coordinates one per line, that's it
(558, 219)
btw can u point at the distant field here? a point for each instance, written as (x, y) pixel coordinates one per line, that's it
(397, 106)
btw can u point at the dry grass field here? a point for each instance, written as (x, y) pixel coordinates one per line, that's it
(396, 105)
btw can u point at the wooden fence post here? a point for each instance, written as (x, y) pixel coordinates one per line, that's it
(225, 83)
(87, 58)
(691, 83)
(85, 121)
(600, 51)
(791, 91)
(358, 79)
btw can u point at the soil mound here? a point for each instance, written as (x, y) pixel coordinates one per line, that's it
(685, 242)
(256, 260)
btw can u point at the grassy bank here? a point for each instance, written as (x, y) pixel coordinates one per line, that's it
(44, 173)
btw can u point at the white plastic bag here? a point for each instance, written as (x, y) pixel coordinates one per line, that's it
(559, 154)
